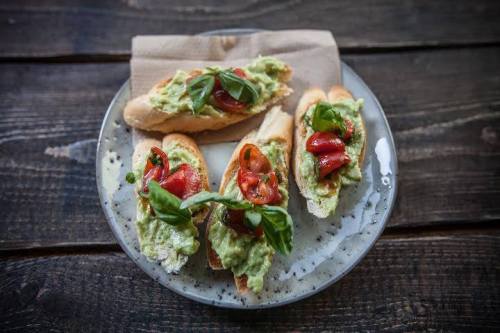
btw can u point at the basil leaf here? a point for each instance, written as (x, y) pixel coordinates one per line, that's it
(325, 118)
(199, 89)
(278, 228)
(239, 88)
(166, 206)
(252, 218)
(205, 196)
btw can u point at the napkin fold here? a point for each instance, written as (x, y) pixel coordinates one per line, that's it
(312, 54)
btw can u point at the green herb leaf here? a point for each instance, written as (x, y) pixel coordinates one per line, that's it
(325, 118)
(252, 218)
(275, 220)
(199, 89)
(239, 88)
(130, 177)
(278, 228)
(166, 206)
(205, 196)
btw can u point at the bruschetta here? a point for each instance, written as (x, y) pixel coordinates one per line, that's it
(210, 98)
(165, 173)
(329, 147)
(249, 221)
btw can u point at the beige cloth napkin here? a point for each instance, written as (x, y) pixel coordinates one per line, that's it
(312, 54)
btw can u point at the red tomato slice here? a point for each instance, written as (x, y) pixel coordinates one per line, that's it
(149, 166)
(349, 129)
(155, 171)
(252, 159)
(324, 142)
(163, 157)
(260, 189)
(330, 162)
(256, 180)
(226, 103)
(235, 220)
(183, 183)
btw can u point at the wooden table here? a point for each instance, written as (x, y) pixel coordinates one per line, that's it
(435, 66)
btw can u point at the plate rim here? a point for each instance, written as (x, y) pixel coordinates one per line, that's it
(392, 196)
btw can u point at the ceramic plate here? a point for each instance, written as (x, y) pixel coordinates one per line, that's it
(324, 250)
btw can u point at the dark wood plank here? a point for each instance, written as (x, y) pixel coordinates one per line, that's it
(443, 107)
(32, 28)
(46, 109)
(415, 284)
(444, 110)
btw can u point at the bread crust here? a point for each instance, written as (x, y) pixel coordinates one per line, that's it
(143, 148)
(276, 126)
(139, 112)
(309, 98)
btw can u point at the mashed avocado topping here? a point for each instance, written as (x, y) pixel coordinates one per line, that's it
(178, 154)
(244, 254)
(171, 245)
(264, 72)
(325, 193)
(159, 241)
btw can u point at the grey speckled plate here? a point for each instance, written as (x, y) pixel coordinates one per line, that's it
(324, 250)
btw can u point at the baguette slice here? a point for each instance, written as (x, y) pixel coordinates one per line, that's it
(140, 113)
(310, 98)
(277, 125)
(143, 148)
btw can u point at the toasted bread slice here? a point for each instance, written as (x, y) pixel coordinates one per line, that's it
(311, 97)
(143, 148)
(277, 125)
(140, 113)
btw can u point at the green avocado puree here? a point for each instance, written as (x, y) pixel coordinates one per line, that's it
(263, 72)
(244, 254)
(326, 193)
(160, 241)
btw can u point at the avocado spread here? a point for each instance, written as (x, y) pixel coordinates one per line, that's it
(264, 72)
(160, 241)
(244, 254)
(326, 193)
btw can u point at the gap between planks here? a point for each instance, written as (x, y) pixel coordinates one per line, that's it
(124, 57)
(391, 234)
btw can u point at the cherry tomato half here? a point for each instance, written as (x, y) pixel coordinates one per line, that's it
(259, 189)
(252, 159)
(183, 182)
(155, 171)
(226, 102)
(330, 162)
(324, 142)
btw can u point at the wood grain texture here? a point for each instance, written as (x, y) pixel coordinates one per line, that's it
(443, 107)
(33, 28)
(413, 284)
(444, 110)
(50, 112)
